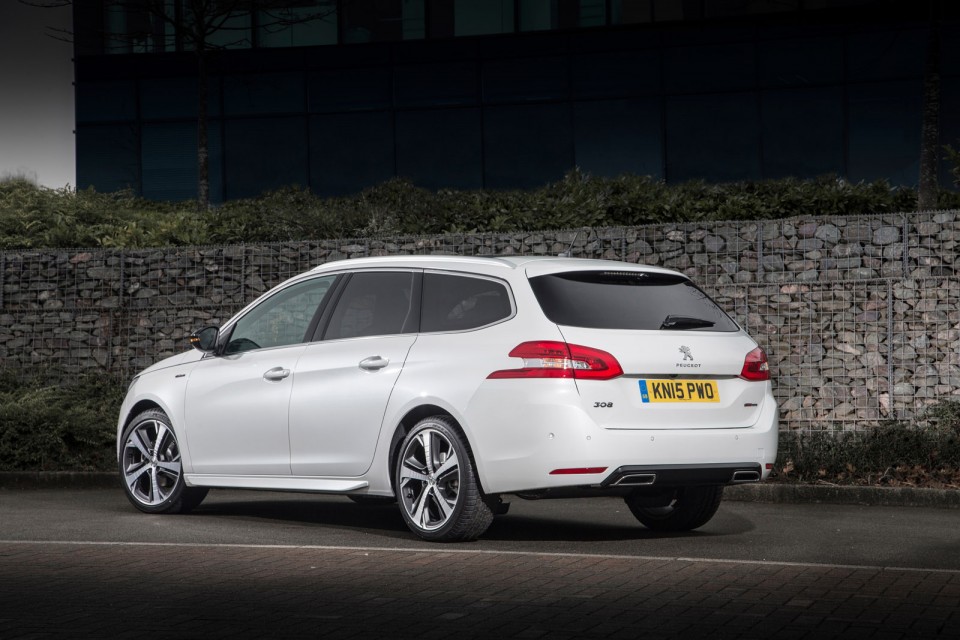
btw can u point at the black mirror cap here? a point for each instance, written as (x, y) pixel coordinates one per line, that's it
(205, 339)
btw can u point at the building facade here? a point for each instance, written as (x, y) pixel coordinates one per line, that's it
(496, 94)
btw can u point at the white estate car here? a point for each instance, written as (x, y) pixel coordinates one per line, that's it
(446, 382)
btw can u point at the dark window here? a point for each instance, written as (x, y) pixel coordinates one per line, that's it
(713, 137)
(458, 303)
(374, 304)
(265, 153)
(383, 20)
(282, 319)
(263, 93)
(107, 157)
(139, 27)
(440, 148)
(803, 132)
(540, 15)
(297, 23)
(725, 8)
(628, 300)
(882, 136)
(619, 136)
(631, 11)
(526, 146)
(470, 17)
(168, 153)
(106, 101)
(364, 151)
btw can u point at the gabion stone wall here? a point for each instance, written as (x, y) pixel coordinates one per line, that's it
(859, 315)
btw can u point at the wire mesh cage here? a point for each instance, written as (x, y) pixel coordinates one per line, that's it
(860, 315)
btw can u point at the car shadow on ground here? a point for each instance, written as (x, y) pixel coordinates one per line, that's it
(385, 520)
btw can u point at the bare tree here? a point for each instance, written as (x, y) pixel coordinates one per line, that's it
(201, 27)
(929, 185)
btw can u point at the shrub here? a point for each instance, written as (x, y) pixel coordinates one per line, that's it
(926, 453)
(54, 427)
(32, 216)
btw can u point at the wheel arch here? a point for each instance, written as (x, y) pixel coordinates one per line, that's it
(138, 407)
(408, 421)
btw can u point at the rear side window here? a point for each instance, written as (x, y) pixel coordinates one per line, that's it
(628, 300)
(374, 304)
(458, 303)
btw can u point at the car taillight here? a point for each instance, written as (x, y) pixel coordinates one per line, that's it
(755, 366)
(551, 359)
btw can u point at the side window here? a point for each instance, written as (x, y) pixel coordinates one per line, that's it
(374, 304)
(282, 319)
(456, 303)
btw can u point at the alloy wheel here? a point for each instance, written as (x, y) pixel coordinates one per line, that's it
(429, 479)
(151, 462)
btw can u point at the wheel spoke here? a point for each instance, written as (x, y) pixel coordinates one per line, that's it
(155, 495)
(445, 506)
(425, 442)
(162, 433)
(136, 438)
(171, 468)
(408, 473)
(133, 474)
(450, 464)
(420, 511)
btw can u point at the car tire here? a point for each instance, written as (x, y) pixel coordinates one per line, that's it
(690, 508)
(436, 484)
(151, 470)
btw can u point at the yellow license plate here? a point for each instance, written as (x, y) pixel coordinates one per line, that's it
(679, 391)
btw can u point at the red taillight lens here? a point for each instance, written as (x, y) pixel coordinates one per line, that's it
(551, 359)
(755, 366)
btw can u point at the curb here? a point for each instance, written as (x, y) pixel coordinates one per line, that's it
(59, 480)
(833, 494)
(772, 492)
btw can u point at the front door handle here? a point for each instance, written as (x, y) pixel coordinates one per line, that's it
(373, 363)
(276, 374)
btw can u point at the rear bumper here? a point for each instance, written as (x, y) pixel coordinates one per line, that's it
(545, 439)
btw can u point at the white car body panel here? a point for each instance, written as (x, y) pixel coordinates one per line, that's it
(237, 419)
(337, 407)
(648, 355)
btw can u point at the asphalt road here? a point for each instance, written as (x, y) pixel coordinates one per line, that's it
(86, 563)
(802, 533)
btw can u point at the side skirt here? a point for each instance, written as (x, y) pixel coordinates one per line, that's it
(275, 483)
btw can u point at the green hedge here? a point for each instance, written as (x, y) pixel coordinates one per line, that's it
(69, 426)
(32, 216)
(923, 454)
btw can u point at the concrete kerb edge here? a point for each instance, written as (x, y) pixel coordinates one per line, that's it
(58, 480)
(851, 495)
(766, 492)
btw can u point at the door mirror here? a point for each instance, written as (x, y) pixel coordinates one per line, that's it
(205, 339)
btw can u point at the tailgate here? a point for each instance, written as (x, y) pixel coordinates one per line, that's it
(671, 380)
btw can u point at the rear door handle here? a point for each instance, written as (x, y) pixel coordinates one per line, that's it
(276, 374)
(373, 363)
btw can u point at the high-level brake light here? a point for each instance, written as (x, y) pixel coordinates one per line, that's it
(755, 366)
(553, 359)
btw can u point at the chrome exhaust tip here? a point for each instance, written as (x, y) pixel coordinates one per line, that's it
(746, 476)
(636, 480)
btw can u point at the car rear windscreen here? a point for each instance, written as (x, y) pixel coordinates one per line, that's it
(628, 300)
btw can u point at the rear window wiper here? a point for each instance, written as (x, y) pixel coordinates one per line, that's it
(685, 322)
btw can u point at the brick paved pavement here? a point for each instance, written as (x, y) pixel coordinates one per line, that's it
(211, 591)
